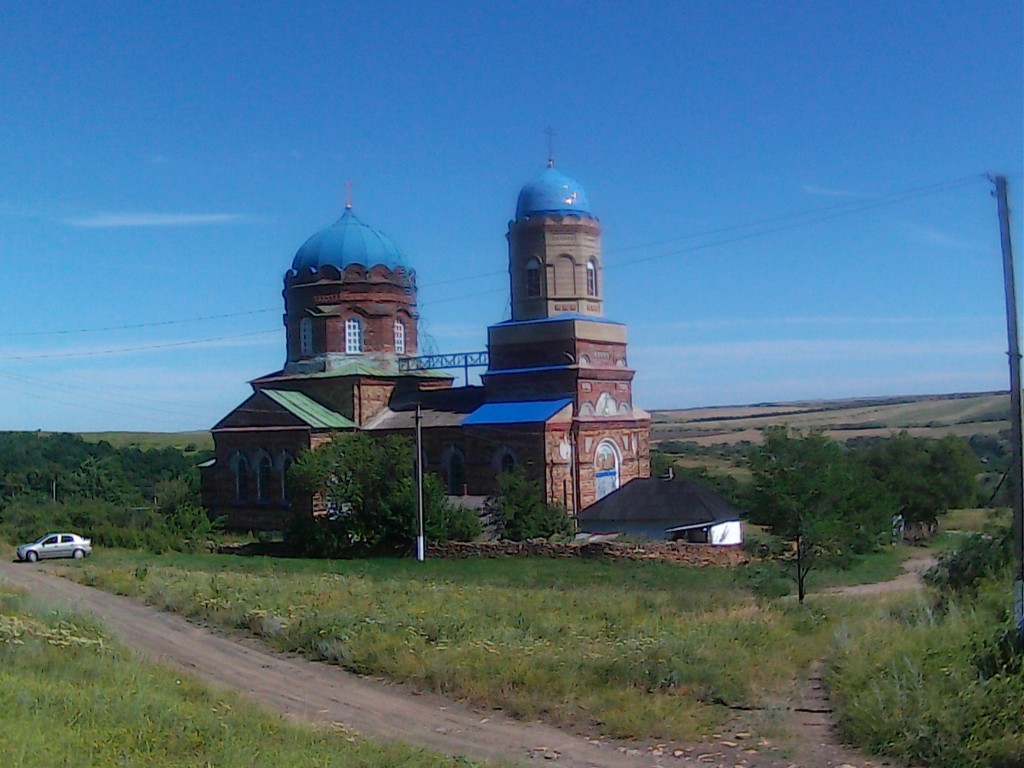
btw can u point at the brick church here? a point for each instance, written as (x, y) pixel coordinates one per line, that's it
(555, 399)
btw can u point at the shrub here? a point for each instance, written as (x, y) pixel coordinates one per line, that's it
(976, 557)
(522, 510)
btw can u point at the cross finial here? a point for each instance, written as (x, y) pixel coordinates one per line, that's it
(551, 152)
(348, 195)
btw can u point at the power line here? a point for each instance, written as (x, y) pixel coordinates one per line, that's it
(61, 401)
(154, 324)
(143, 348)
(804, 218)
(91, 393)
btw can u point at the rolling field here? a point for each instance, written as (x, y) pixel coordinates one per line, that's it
(921, 416)
(185, 441)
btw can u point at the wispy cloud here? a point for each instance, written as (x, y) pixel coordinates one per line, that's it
(936, 238)
(150, 219)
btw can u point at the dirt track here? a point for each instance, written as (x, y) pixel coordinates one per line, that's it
(325, 694)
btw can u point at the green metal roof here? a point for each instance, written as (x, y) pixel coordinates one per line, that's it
(356, 368)
(308, 410)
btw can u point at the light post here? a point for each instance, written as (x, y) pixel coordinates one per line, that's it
(420, 542)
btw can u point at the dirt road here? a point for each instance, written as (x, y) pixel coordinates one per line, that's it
(325, 694)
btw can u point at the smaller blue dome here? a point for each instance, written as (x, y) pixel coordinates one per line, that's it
(552, 193)
(348, 241)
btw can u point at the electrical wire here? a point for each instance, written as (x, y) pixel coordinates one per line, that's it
(142, 348)
(800, 219)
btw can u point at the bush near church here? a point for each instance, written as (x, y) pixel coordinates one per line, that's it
(368, 499)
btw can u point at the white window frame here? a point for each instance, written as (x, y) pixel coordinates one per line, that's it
(353, 336)
(591, 278)
(399, 337)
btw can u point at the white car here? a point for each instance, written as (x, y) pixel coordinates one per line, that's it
(56, 545)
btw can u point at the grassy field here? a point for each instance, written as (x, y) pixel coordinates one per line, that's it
(630, 650)
(71, 697)
(625, 649)
(185, 441)
(936, 416)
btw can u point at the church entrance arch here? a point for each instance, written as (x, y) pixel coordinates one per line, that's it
(606, 468)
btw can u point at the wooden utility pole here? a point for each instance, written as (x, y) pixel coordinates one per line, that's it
(1017, 470)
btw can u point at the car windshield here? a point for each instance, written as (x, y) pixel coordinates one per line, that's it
(42, 538)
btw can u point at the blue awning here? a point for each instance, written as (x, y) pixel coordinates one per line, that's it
(520, 412)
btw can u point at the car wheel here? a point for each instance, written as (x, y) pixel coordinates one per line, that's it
(31, 556)
(78, 554)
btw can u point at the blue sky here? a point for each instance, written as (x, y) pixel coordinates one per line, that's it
(793, 194)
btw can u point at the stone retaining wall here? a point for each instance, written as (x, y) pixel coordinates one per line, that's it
(669, 551)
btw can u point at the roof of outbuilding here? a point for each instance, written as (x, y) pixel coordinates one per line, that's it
(675, 502)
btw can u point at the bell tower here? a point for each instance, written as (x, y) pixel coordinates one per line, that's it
(554, 247)
(558, 344)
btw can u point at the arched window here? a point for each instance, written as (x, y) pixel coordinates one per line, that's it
(606, 405)
(533, 278)
(591, 278)
(504, 460)
(284, 463)
(353, 336)
(305, 337)
(606, 468)
(264, 475)
(240, 466)
(456, 466)
(565, 276)
(399, 337)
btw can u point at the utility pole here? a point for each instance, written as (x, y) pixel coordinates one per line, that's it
(420, 543)
(1017, 470)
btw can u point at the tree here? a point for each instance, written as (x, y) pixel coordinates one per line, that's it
(520, 505)
(924, 477)
(367, 489)
(661, 463)
(807, 490)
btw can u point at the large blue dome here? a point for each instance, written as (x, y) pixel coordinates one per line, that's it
(348, 241)
(552, 193)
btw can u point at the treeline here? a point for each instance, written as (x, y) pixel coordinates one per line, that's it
(118, 496)
(922, 477)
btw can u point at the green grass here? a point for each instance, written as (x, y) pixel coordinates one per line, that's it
(632, 650)
(192, 441)
(972, 520)
(884, 565)
(71, 697)
(627, 649)
(933, 685)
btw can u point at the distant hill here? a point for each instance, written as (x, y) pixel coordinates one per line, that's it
(185, 441)
(920, 415)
